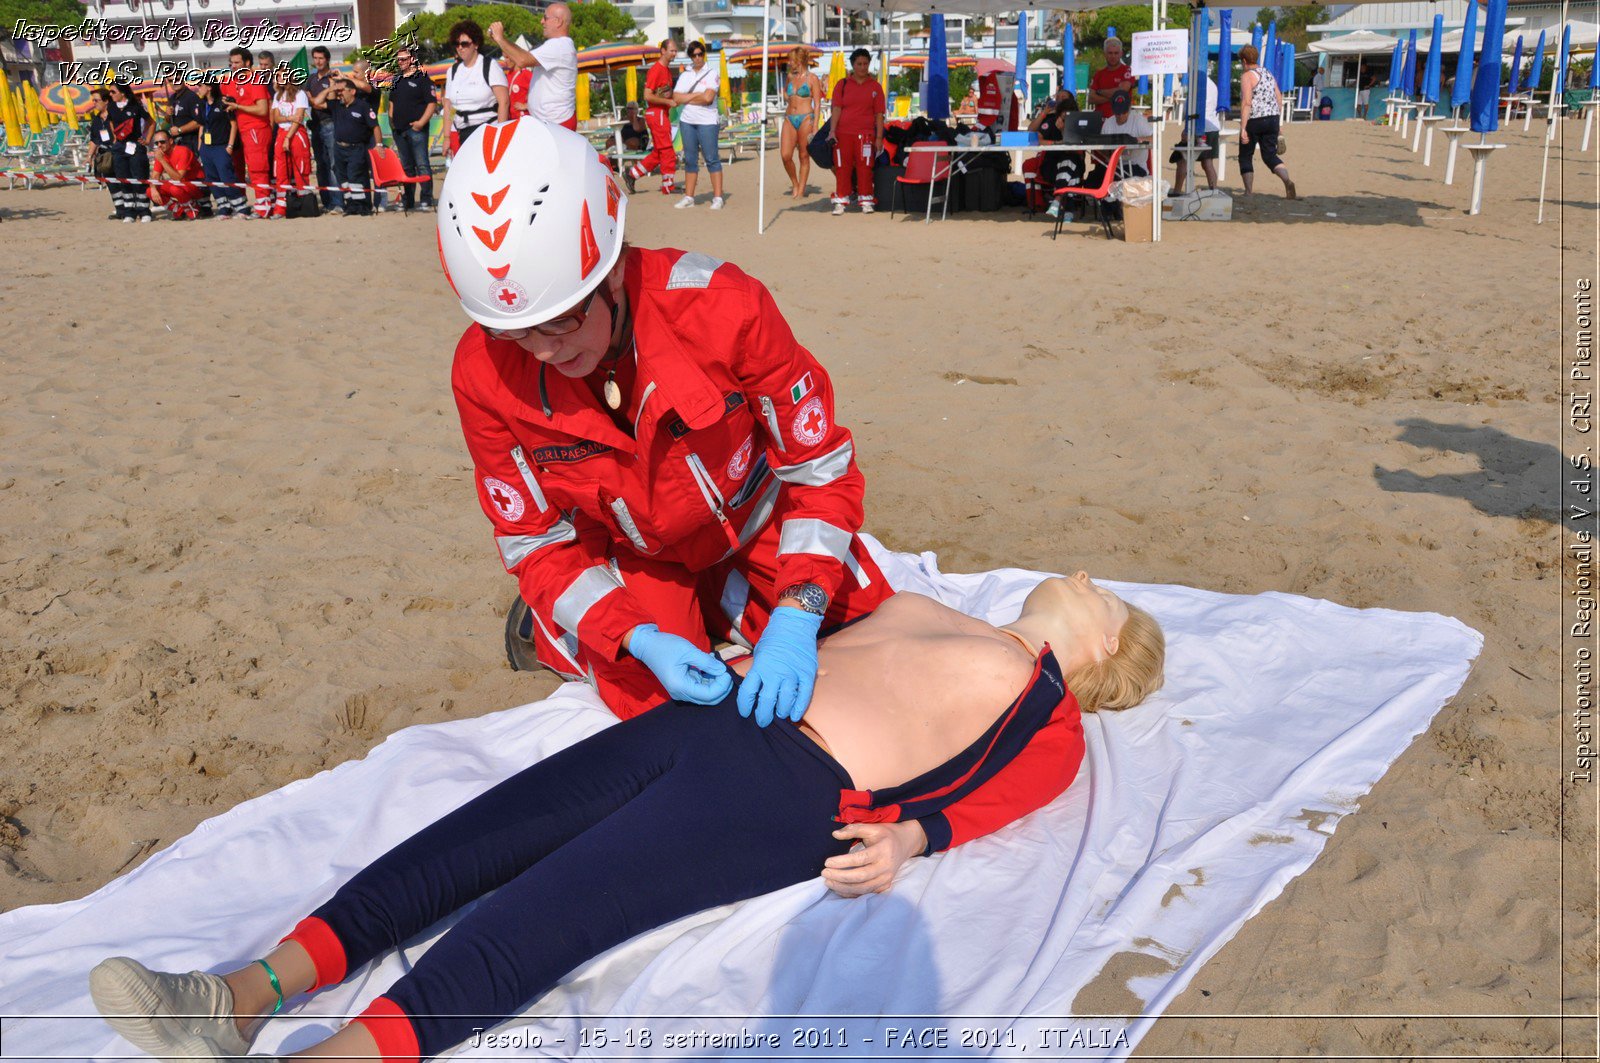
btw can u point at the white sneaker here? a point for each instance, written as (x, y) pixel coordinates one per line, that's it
(838, 209)
(686, 201)
(867, 208)
(716, 202)
(127, 221)
(157, 1011)
(1054, 209)
(145, 219)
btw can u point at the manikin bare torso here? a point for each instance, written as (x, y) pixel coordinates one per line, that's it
(903, 690)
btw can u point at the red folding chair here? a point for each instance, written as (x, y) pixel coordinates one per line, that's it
(1096, 193)
(387, 171)
(924, 168)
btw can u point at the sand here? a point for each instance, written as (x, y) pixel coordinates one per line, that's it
(239, 544)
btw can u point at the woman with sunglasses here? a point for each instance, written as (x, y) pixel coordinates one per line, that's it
(657, 454)
(475, 88)
(130, 128)
(696, 90)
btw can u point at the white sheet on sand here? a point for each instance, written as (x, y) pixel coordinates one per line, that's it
(1278, 715)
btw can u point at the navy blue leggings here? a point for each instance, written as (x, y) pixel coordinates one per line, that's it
(683, 808)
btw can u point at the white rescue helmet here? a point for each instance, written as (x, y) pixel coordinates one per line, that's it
(530, 222)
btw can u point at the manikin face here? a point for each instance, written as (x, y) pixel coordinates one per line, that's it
(1093, 615)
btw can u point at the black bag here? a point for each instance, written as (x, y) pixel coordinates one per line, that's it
(303, 205)
(984, 188)
(820, 150)
(883, 183)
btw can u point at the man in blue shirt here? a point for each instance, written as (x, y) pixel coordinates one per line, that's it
(355, 128)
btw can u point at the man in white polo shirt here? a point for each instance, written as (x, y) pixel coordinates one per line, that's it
(552, 67)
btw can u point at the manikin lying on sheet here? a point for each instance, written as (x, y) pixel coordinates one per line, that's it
(917, 739)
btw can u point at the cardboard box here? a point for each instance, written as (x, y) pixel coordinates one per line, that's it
(1138, 223)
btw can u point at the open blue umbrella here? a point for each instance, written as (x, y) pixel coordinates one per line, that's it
(1022, 59)
(1431, 74)
(1486, 85)
(1225, 61)
(1561, 60)
(1408, 73)
(1396, 64)
(1069, 60)
(1538, 65)
(1516, 66)
(937, 105)
(1462, 92)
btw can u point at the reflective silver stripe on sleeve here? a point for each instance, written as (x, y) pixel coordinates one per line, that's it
(576, 601)
(819, 472)
(514, 549)
(527, 478)
(735, 596)
(809, 536)
(693, 270)
(619, 509)
(772, 423)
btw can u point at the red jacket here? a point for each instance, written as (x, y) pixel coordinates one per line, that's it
(734, 429)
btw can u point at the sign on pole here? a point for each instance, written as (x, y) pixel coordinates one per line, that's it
(1160, 52)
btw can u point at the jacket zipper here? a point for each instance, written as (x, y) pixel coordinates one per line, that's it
(713, 497)
(772, 424)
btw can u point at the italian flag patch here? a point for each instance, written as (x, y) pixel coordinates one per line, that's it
(800, 389)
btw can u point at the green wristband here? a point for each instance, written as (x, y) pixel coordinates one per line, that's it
(277, 987)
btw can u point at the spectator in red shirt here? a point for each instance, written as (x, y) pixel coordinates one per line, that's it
(249, 100)
(857, 133)
(175, 177)
(658, 105)
(1113, 76)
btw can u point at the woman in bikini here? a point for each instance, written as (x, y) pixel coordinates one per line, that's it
(927, 728)
(805, 91)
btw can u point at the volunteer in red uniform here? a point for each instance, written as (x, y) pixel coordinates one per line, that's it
(175, 177)
(249, 99)
(1115, 75)
(856, 133)
(657, 453)
(658, 116)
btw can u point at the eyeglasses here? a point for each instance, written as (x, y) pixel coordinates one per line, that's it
(697, 55)
(162, 140)
(466, 44)
(564, 325)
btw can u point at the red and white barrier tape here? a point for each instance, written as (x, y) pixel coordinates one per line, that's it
(34, 175)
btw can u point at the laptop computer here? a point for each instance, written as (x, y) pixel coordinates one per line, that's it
(1080, 127)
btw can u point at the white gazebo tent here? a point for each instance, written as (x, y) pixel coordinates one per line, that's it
(1360, 44)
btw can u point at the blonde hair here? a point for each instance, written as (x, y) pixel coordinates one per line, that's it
(799, 59)
(1128, 676)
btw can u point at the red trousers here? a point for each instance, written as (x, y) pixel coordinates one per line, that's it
(732, 601)
(661, 154)
(256, 145)
(293, 156)
(852, 159)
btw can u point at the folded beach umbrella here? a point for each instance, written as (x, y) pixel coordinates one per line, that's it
(1395, 65)
(633, 84)
(1431, 74)
(1021, 82)
(1462, 92)
(1255, 38)
(1069, 60)
(1142, 88)
(1199, 108)
(1594, 70)
(1286, 66)
(1408, 73)
(1560, 84)
(1225, 61)
(1486, 85)
(1538, 64)
(937, 105)
(1516, 65)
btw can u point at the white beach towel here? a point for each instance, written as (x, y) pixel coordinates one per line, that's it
(1192, 812)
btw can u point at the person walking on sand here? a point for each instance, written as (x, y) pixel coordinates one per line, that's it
(1260, 103)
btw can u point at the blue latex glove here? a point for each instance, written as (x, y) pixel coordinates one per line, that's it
(779, 683)
(686, 671)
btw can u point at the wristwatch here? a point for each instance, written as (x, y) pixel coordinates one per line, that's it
(812, 598)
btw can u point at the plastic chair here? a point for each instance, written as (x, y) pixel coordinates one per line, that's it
(1096, 193)
(387, 171)
(924, 168)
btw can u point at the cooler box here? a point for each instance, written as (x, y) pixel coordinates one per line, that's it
(1199, 206)
(1020, 139)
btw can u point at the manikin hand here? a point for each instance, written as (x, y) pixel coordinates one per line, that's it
(871, 864)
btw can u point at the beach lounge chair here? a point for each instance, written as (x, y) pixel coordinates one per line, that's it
(929, 168)
(1096, 194)
(1304, 104)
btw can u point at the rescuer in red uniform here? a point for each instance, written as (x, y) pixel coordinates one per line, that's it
(658, 116)
(658, 455)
